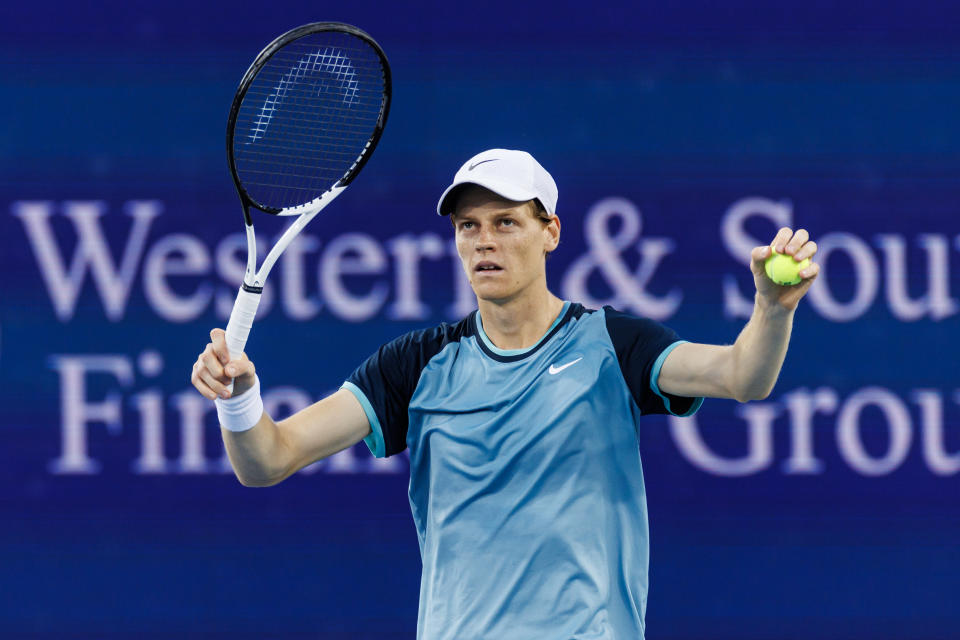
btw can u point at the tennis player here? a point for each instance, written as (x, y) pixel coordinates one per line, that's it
(521, 420)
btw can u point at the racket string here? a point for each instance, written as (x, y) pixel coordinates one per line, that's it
(307, 117)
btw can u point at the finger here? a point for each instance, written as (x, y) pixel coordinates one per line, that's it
(211, 363)
(780, 240)
(757, 257)
(808, 250)
(237, 368)
(810, 272)
(198, 382)
(218, 338)
(759, 254)
(796, 242)
(213, 384)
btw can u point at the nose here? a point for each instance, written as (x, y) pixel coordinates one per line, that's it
(485, 240)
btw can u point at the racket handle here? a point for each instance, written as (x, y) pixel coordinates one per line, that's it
(241, 319)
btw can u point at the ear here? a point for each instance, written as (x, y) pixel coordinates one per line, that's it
(551, 233)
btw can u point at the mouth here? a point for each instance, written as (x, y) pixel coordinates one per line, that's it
(487, 267)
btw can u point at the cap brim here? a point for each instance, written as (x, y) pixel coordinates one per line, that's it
(448, 200)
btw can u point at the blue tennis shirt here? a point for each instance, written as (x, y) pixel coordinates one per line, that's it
(525, 479)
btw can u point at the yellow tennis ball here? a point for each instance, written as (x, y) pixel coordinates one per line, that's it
(783, 269)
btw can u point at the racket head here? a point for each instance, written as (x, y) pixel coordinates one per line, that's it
(306, 117)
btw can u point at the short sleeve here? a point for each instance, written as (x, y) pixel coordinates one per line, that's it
(642, 345)
(385, 382)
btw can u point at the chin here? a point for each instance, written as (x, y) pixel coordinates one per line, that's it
(492, 292)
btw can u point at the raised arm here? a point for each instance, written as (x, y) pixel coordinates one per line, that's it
(748, 369)
(272, 451)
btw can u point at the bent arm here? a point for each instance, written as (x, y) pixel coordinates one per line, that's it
(746, 370)
(749, 368)
(271, 452)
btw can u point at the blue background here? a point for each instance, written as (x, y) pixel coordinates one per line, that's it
(846, 112)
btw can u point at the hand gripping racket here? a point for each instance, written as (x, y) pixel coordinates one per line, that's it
(306, 118)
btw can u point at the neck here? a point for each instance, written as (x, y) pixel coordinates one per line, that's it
(521, 322)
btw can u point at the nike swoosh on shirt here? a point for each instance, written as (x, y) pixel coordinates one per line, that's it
(554, 369)
(477, 164)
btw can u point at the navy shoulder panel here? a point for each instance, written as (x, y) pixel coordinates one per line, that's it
(389, 377)
(639, 343)
(577, 310)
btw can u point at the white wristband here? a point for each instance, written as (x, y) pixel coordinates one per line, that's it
(243, 412)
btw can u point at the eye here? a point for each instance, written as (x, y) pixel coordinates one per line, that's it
(508, 222)
(466, 225)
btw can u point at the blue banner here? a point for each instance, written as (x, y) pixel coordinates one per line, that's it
(680, 138)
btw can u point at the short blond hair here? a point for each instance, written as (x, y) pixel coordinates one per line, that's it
(539, 211)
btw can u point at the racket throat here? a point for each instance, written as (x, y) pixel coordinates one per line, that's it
(251, 279)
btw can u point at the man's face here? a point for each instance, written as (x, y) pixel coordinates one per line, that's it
(502, 244)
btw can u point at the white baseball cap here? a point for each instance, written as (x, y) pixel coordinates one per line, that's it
(514, 175)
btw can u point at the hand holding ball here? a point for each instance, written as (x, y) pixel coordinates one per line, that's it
(783, 269)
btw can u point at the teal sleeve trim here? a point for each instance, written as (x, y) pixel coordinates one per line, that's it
(375, 440)
(655, 375)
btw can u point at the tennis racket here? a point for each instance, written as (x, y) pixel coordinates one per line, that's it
(306, 118)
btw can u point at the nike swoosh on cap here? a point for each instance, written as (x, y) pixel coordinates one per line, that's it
(477, 164)
(554, 369)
